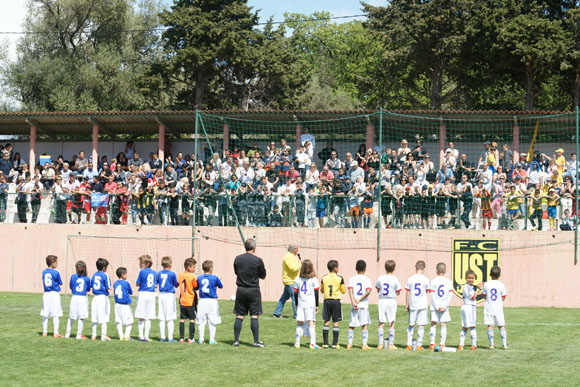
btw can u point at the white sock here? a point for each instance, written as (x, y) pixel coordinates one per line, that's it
(443, 334)
(147, 328)
(201, 329)
(128, 331)
(503, 334)
(170, 328)
(420, 333)
(69, 325)
(45, 325)
(381, 336)
(299, 331)
(141, 327)
(462, 338)
(410, 336)
(312, 331)
(55, 324)
(350, 335)
(432, 334)
(473, 333)
(490, 336)
(365, 336)
(103, 330)
(212, 328)
(162, 329)
(120, 330)
(392, 336)
(94, 326)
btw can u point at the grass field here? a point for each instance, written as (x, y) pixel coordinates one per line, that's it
(544, 350)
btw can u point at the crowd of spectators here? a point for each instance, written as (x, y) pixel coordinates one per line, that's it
(278, 186)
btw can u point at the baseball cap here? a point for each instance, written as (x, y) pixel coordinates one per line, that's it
(559, 150)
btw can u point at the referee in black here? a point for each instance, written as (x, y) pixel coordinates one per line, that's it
(249, 270)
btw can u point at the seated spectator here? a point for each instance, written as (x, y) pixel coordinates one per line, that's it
(326, 176)
(333, 163)
(355, 172)
(135, 160)
(170, 176)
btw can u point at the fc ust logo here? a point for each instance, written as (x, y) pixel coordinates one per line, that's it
(479, 255)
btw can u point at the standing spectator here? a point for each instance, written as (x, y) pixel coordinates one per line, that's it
(290, 270)
(3, 198)
(506, 157)
(6, 166)
(249, 269)
(130, 149)
(325, 153)
(339, 202)
(60, 201)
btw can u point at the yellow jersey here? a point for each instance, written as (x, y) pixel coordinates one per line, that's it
(513, 201)
(290, 268)
(332, 286)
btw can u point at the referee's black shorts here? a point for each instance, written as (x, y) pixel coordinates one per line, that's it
(332, 310)
(248, 300)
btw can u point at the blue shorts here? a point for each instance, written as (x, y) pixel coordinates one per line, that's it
(514, 212)
(552, 212)
(320, 212)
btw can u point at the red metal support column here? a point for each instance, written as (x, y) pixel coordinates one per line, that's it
(226, 136)
(516, 141)
(32, 153)
(370, 135)
(95, 145)
(161, 146)
(442, 141)
(298, 135)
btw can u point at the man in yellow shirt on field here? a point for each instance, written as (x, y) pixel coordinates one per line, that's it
(290, 270)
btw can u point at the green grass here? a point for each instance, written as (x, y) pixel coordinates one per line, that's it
(544, 350)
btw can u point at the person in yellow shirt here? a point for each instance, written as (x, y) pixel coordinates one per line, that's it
(560, 161)
(290, 270)
(536, 205)
(513, 205)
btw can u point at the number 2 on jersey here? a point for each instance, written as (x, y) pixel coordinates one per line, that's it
(360, 287)
(205, 286)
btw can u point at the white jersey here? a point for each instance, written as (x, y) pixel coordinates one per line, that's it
(494, 292)
(417, 286)
(388, 286)
(305, 288)
(441, 292)
(359, 284)
(469, 294)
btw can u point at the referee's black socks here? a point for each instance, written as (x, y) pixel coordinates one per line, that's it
(238, 329)
(255, 325)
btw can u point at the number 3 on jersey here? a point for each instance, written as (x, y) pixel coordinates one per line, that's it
(385, 289)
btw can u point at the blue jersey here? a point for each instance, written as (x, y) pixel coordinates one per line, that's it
(79, 285)
(101, 283)
(123, 292)
(207, 285)
(147, 280)
(167, 281)
(51, 280)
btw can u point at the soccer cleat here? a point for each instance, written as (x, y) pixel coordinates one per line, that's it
(431, 347)
(392, 347)
(314, 346)
(473, 348)
(81, 337)
(94, 338)
(409, 348)
(201, 341)
(171, 341)
(419, 348)
(365, 347)
(67, 336)
(337, 346)
(349, 347)
(325, 346)
(380, 347)
(181, 341)
(276, 316)
(189, 341)
(212, 342)
(460, 348)
(505, 347)
(44, 334)
(56, 335)
(144, 340)
(491, 347)
(162, 340)
(258, 344)
(105, 338)
(236, 344)
(296, 345)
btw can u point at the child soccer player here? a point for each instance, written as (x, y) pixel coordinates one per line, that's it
(359, 289)
(332, 286)
(441, 290)
(494, 292)
(100, 308)
(79, 285)
(187, 299)
(306, 287)
(389, 287)
(553, 201)
(145, 310)
(468, 311)
(123, 314)
(208, 310)
(167, 281)
(51, 306)
(417, 304)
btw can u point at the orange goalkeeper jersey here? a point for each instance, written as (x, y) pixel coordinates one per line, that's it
(187, 285)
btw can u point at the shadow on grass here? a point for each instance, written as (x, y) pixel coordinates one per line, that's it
(242, 344)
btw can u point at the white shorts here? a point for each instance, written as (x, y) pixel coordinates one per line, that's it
(100, 309)
(305, 314)
(468, 316)
(79, 307)
(123, 314)
(359, 317)
(490, 319)
(167, 309)
(208, 310)
(440, 317)
(145, 306)
(418, 317)
(387, 310)
(51, 306)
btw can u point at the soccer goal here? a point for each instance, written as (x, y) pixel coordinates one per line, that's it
(124, 252)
